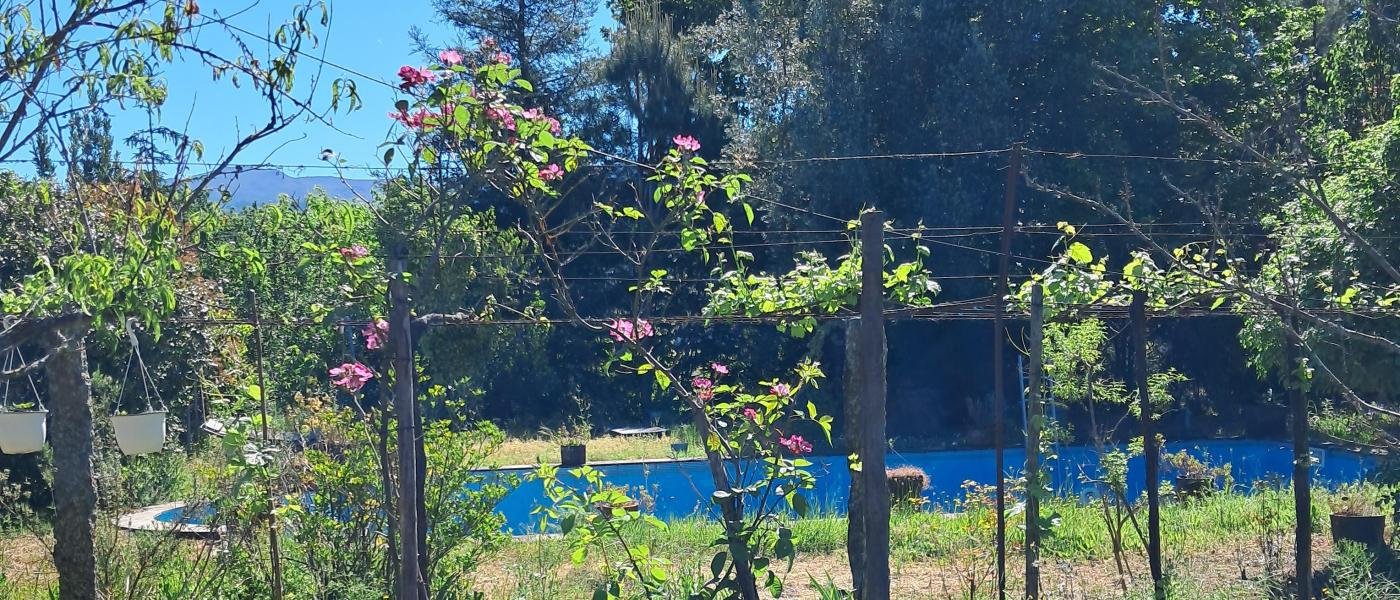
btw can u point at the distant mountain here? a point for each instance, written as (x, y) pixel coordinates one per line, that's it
(262, 186)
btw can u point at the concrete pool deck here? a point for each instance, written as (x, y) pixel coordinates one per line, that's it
(147, 519)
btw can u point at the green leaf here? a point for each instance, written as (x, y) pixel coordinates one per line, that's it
(717, 563)
(1080, 253)
(748, 212)
(254, 392)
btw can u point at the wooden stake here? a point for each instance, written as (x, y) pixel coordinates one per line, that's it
(1302, 476)
(1013, 171)
(400, 333)
(274, 544)
(1150, 451)
(855, 440)
(872, 366)
(1034, 413)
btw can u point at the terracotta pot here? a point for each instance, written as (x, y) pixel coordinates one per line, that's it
(573, 455)
(1194, 487)
(608, 510)
(22, 432)
(142, 433)
(1368, 530)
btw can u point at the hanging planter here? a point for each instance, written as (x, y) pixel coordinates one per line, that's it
(23, 425)
(141, 433)
(22, 432)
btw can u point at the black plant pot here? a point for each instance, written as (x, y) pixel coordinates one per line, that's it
(1194, 487)
(906, 488)
(680, 447)
(1362, 529)
(573, 455)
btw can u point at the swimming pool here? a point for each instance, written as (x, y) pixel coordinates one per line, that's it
(682, 488)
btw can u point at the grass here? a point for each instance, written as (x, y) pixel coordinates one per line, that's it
(532, 451)
(1208, 544)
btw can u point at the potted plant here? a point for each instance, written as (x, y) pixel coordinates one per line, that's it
(22, 428)
(22, 424)
(1358, 516)
(907, 485)
(140, 433)
(573, 443)
(1195, 478)
(613, 501)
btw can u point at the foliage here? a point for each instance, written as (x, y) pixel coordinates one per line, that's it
(1360, 500)
(1187, 465)
(1355, 576)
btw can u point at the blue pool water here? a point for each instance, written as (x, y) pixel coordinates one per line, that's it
(196, 514)
(682, 488)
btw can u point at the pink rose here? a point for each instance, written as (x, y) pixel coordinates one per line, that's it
(702, 383)
(502, 58)
(416, 120)
(551, 172)
(450, 58)
(687, 143)
(502, 116)
(351, 376)
(780, 389)
(412, 77)
(795, 444)
(488, 42)
(354, 252)
(719, 368)
(623, 330)
(750, 414)
(554, 127)
(376, 334)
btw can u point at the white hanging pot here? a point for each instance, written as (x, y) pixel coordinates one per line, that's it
(22, 432)
(142, 433)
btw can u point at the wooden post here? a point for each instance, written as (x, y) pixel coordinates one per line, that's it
(874, 442)
(70, 434)
(274, 544)
(400, 333)
(854, 438)
(1013, 171)
(1034, 416)
(1302, 476)
(1151, 454)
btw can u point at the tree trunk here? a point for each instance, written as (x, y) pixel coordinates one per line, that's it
(74, 489)
(855, 525)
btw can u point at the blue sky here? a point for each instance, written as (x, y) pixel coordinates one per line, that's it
(365, 36)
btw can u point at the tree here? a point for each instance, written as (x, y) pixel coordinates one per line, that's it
(121, 266)
(544, 37)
